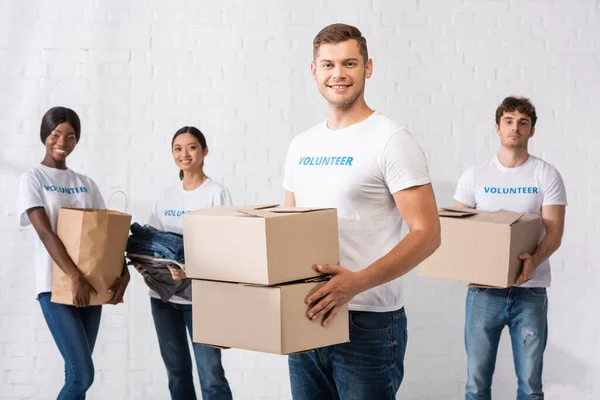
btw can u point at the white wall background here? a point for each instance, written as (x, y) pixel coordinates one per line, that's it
(136, 71)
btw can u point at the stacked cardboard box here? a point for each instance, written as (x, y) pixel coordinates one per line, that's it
(252, 268)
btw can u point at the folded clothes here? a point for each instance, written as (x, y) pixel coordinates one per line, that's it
(156, 251)
(159, 278)
(149, 241)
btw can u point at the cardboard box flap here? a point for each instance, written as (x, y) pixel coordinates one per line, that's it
(501, 217)
(316, 279)
(295, 210)
(529, 217)
(254, 213)
(498, 217)
(274, 211)
(262, 206)
(455, 212)
(229, 211)
(216, 211)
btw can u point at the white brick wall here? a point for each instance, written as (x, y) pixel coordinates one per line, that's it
(137, 71)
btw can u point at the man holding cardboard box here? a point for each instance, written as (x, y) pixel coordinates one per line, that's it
(515, 181)
(375, 174)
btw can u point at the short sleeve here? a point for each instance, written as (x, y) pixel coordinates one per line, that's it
(403, 162)
(465, 189)
(223, 198)
(154, 220)
(97, 199)
(553, 189)
(288, 178)
(29, 195)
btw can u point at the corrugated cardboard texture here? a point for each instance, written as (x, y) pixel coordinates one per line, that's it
(524, 239)
(267, 319)
(227, 248)
(482, 247)
(259, 245)
(301, 334)
(299, 241)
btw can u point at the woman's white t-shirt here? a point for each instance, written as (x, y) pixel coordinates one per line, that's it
(174, 202)
(52, 189)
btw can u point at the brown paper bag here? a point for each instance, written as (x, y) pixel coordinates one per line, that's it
(95, 240)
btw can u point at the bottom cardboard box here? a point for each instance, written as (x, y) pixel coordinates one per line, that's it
(270, 319)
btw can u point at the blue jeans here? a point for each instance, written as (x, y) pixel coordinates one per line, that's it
(488, 311)
(74, 331)
(171, 321)
(370, 366)
(148, 241)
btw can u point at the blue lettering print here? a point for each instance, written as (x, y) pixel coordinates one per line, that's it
(511, 190)
(326, 161)
(175, 213)
(73, 190)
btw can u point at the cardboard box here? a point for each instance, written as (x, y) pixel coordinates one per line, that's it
(262, 244)
(269, 319)
(482, 248)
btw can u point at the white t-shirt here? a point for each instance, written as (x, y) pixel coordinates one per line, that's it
(174, 201)
(52, 188)
(356, 170)
(525, 189)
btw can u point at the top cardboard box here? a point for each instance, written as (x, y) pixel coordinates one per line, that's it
(481, 247)
(264, 245)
